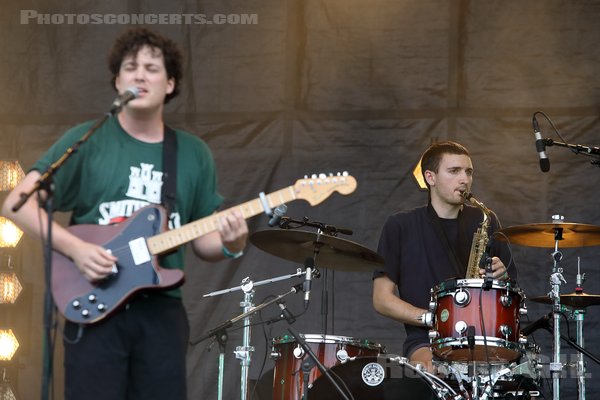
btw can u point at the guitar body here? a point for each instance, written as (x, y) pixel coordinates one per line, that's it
(84, 302)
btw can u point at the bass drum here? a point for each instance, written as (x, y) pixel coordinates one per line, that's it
(381, 378)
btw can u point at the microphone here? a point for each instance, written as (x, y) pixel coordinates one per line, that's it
(540, 146)
(309, 266)
(124, 98)
(277, 214)
(285, 313)
(534, 326)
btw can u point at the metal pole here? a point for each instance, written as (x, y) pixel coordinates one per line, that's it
(555, 280)
(244, 352)
(579, 316)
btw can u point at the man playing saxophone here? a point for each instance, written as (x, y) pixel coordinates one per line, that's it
(430, 244)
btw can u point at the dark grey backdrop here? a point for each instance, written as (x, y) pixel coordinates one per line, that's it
(327, 86)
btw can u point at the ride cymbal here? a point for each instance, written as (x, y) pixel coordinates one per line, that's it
(575, 300)
(543, 235)
(329, 251)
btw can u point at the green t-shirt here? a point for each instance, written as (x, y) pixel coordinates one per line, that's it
(112, 175)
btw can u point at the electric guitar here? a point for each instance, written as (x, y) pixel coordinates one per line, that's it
(138, 241)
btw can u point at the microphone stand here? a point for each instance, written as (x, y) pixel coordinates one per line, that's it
(589, 151)
(45, 182)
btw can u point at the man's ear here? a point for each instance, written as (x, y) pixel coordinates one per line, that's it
(429, 177)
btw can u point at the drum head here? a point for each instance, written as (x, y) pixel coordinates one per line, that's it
(399, 382)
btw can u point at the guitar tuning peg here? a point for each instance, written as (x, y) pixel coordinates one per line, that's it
(314, 176)
(305, 176)
(322, 176)
(345, 173)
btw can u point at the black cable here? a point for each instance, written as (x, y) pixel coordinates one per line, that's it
(553, 127)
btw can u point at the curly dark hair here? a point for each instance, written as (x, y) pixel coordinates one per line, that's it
(430, 161)
(132, 40)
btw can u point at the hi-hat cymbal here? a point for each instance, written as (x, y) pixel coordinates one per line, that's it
(542, 235)
(575, 300)
(332, 252)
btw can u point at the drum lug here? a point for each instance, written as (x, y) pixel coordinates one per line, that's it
(275, 355)
(460, 327)
(522, 339)
(505, 330)
(462, 298)
(342, 356)
(298, 352)
(505, 300)
(433, 334)
(523, 310)
(432, 306)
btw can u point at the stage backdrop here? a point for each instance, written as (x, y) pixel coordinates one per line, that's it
(284, 88)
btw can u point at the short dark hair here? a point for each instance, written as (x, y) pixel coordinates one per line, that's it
(430, 161)
(130, 43)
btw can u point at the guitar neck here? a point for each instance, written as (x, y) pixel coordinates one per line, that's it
(169, 240)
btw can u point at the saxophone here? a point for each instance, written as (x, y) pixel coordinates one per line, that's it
(480, 238)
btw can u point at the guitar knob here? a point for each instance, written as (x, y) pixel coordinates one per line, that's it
(76, 304)
(101, 307)
(85, 313)
(92, 298)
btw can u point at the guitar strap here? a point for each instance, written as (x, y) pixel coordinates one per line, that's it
(169, 188)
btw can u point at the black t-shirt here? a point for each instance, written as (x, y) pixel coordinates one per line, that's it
(416, 259)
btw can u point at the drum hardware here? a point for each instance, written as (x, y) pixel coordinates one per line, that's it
(575, 306)
(244, 352)
(550, 236)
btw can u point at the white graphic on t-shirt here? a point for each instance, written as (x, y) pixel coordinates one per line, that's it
(144, 183)
(144, 188)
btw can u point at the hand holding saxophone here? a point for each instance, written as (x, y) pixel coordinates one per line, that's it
(499, 270)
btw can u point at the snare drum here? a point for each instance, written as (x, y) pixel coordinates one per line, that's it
(330, 351)
(464, 331)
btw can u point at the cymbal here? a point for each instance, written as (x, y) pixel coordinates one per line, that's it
(333, 252)
(575, 300)
(542, 235)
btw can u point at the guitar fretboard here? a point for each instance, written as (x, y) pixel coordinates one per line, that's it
(174, 238)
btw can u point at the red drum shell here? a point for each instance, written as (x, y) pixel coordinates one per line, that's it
(451, 345)
(287, 377)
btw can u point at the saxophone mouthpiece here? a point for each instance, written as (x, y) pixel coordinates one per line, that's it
(466, 195)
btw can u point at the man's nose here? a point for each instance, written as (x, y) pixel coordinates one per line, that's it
(140, 74)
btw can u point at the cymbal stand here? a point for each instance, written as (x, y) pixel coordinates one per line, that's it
(244, 352)
(579, 316)
(555, 281)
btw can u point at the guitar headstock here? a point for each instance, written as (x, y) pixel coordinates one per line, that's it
(319, 187)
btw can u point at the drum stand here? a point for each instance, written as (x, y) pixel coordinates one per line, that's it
(244, 352)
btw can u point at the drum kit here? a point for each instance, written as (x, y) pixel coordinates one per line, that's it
(479, 348)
